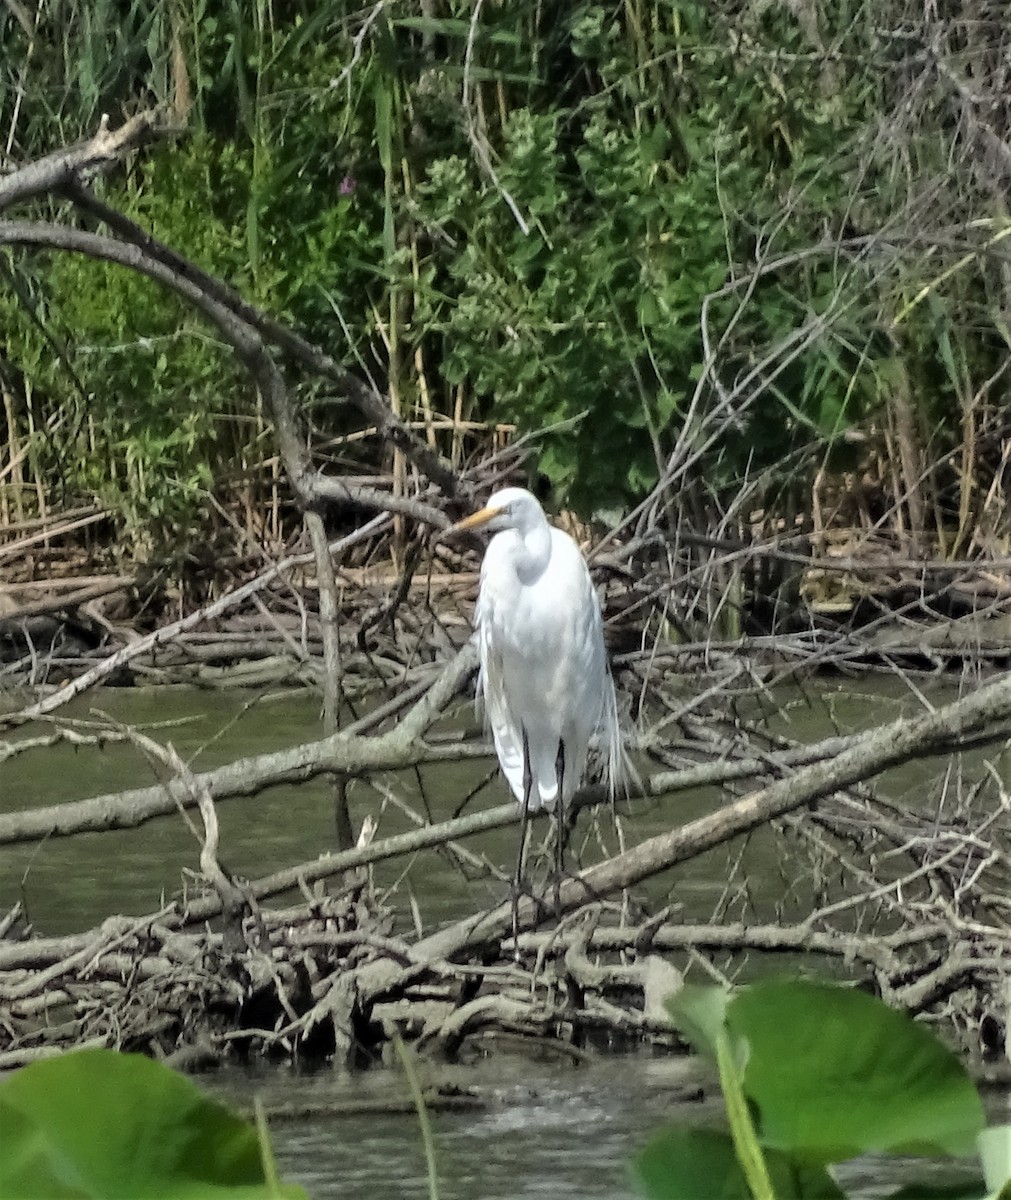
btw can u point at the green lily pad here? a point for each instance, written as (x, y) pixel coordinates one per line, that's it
(699, 1164)
(994, 1147)
(700, 1013)
(98, 1124)
(833, 1072)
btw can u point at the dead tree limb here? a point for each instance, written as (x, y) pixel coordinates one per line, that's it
(351, 753)
(371, 405)
(346, 753)
(870, 754)
(59, 170)
(228, 892)
(167, 633)
(70, 599)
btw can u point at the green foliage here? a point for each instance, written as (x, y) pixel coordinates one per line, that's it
(96, 1123)
(823, 1074)
(529, 209)
(681, 1164)
(143, 443)
(894, 1088)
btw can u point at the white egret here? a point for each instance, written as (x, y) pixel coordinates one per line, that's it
(544, 676)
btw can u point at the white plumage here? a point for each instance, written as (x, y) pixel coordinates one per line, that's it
(544, 677)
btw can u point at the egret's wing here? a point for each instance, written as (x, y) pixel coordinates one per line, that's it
(506, 732)
(544, 670)
(619, 773)
(591, 685)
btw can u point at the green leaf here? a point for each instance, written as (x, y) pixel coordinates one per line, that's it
(994, 1147)
(689, 1164)
(834, 1073)
(24, 1170)
(700, 1013)
(96, 1123)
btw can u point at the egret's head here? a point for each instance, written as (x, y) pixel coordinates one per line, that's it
(510, 508)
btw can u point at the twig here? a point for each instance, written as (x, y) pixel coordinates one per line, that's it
(96, 154)
(168, 633)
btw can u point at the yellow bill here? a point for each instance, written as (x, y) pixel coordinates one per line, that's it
(475, 520)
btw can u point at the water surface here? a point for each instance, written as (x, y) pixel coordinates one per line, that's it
(551, 1129)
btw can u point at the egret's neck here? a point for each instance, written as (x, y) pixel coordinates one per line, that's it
(530, 551)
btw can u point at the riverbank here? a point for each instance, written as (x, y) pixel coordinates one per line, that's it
(835, 614)
(303, 957)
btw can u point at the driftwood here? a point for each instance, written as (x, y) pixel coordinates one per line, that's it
(333, 976)
(913, 903)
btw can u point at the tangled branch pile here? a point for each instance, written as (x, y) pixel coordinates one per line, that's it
(910, 899)
(912, 902)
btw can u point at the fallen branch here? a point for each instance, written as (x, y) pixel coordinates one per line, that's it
(167, 633)
(347, 753)
(63, 168)
(870, 754)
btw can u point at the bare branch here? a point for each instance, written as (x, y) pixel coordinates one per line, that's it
(372, 406)
(344, 753)
(167, 633)
(65, 167)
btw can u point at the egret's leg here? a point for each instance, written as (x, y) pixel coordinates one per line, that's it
(528, 783)
(560, 818)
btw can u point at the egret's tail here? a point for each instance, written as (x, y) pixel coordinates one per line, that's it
(620, 775)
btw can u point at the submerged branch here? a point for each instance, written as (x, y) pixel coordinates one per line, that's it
(344, 753)
(868, 755)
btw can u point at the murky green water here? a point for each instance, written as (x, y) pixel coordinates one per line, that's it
(70, 884)
(554, 1130)
(547, 1132)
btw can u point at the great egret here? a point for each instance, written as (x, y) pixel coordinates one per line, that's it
(544, 677)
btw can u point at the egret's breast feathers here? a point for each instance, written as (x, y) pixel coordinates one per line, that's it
(544, 678)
